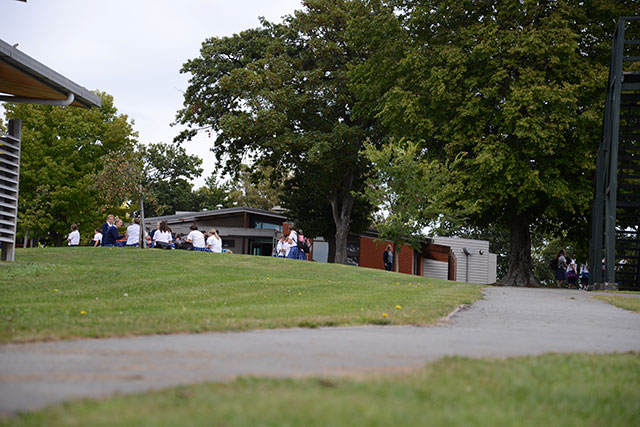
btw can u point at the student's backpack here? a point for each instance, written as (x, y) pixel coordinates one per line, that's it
(304, 245)
(553, 264)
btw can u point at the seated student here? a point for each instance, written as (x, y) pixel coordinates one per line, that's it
(97, 238)
(214, 242)
(196, 238)
(74, 236)
(112, 235)
(133, 233)
(162, 237)
(122, 239)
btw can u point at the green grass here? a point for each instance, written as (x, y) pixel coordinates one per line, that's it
(558, 390)
(628, 303)
(60, 293)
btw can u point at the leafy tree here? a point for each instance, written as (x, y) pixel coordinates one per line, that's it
(401, 188)
(168, 169)
(61, 148)
(515, 91)
(279, 95)
(212, 195)
(256, 188)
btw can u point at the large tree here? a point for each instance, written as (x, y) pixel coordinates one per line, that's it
(514, 92)
(61, 148)
(168, 170)
(279, 95)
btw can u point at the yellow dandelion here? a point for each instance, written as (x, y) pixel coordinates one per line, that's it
(398, 307)
(397, 283)
(300, 293)
(55, 290)
(268, 278)
(409, 283)
(385, 315)
(83, 312)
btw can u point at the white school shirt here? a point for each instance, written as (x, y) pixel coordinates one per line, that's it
(162, 236)
(98, 237)
(215, 243)
(133, 234)
(197, 238)
(74, 238)
(280, 246)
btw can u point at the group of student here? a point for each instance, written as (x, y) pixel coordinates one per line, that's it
(292, 245)
(161, 237)
(566, 271)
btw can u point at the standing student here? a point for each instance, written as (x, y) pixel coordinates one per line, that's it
(74, 236)
(387, 258)
(561, 269)
(107, 225)
(109, 239)
(572, 272)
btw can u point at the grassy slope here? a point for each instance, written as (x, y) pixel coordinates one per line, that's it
(61, 293)
(568, 390)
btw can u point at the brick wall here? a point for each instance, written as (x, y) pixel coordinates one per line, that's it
(371, 255)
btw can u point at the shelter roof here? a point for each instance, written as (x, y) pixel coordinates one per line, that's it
(23, 76)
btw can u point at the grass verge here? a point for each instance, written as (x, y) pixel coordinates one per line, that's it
(568, 390)
(61, 293)
(628, 303)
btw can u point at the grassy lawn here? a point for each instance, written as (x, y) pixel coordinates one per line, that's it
(60, 293)
(628, 303)
(567, 390)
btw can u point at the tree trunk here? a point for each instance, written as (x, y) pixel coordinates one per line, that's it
(26, 238)
(331, 240)
(520, 271)
(57, 239)
(341, 208)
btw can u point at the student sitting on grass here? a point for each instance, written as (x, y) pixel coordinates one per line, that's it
(97, 238)
(133, 233)
(74, 236)
(196, 238)
(162, 237)
(214, 242)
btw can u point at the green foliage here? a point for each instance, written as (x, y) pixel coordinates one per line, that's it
(167, 172)
(43, 294)
(279, 95)
(403, 186)
(61, 148)
(567, 390)
(513, 91)
(257, 187)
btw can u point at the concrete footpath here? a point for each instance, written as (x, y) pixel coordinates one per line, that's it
(508, 322)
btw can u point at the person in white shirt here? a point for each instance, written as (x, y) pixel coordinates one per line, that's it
(97, 238)
(280, 250)
(162, 238)
(133, 233)
(214, 242)
(74, 236)
(196, 237)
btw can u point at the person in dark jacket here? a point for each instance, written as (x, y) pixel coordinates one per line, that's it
(387, 259)
(112, 235)
(107, 225)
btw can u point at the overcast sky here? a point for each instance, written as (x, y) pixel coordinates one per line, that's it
(132, 49)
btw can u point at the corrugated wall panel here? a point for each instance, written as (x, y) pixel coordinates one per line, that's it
(435, 269)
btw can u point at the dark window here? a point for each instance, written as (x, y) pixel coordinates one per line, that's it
(228, 243)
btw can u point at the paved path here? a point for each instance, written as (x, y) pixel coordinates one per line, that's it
(508, 322)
